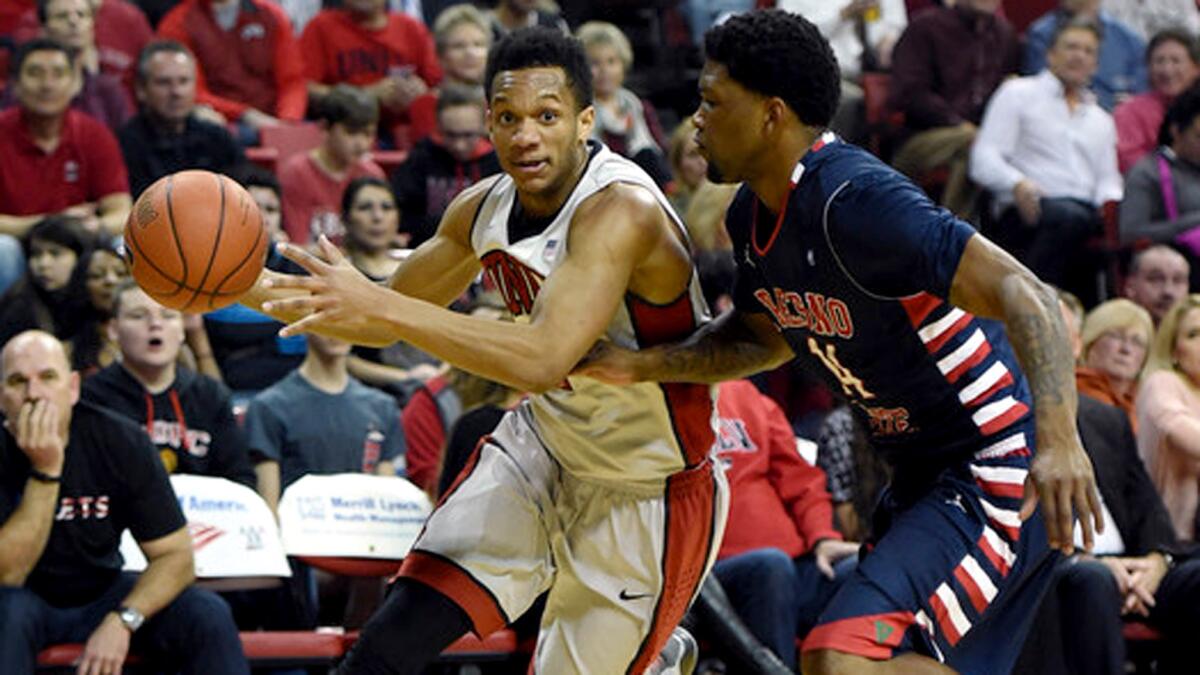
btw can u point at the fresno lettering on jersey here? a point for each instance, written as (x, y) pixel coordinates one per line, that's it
(166, 433)
(82, 508)
(820, 314)
(518, 283)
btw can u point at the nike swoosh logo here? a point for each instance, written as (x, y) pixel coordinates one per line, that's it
(626, 595)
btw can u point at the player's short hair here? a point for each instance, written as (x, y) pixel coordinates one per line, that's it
(154, 48)
(40, 44)
(605, 34)
(542, 47)
(348, 106)
(454, 16)
(776, 53)
(1114, 315)
(1180, 114)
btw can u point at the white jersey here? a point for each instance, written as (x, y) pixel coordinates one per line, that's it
(635, 436)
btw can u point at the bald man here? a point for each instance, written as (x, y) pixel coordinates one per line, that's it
(1158, 278)
(72, 477)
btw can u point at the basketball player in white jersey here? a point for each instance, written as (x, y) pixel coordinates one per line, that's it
(604, 496)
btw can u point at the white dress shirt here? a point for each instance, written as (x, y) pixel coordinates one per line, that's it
(1029, 131)
(827, 15)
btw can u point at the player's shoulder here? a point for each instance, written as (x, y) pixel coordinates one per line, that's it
(846, 170)
(621, 207)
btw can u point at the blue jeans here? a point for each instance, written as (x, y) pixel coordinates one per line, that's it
(12, 261)
(194, 634)
(778, 598)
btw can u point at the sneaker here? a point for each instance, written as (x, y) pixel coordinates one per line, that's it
(678, 657)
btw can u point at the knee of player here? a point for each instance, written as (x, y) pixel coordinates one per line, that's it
(829, 662)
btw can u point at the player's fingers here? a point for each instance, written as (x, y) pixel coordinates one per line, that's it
(1049, 513)
(1084, 514)
(1030, 500)
(1097, 511)
(303, 325)
(302, 258)
(331, 253)
(1064, 517)
(294, 281)
(299, 303)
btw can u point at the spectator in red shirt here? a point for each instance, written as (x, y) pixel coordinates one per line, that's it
(54, 159)
(387, 54)
(781, 560)
(462, 37)
(313, 182)
(250, 69)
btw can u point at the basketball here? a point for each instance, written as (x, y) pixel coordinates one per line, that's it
(195, 241)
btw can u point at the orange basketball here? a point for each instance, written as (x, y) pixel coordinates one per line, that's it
(195, 241)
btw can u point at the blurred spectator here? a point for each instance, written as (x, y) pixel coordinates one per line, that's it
(54, 159)
(93, 347)
(705, 216)
(509, 15)
(1121, 69)
(462, 37)
(73, 477)
(389, 55)
(250, 68)
(862, 34)
(704, 14)
(1158, 278)
(1115, 337)
(155, 10)
(51, 296)
(835, 456)
(246, 343)
(626, 123)
(441, 166)
(688, 166)
(1173, 58)
(313, 182)
(945, 68)
(121, 30)
(1047, 152)
(188, 416)
(1168, 413)
(101, 95)
(781, 559)
(168, 134)
(302, 11)
(1162, 192)
(1148, 17)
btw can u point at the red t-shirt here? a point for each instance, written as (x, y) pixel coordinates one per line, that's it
(85, 167)
(422, 116)
(776, 499)
(336, 49)
(312, 199)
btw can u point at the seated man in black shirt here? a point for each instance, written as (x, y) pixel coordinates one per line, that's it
(168, 134)
(72, 478)
(189, 416)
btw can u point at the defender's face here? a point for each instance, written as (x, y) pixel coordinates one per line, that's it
(725, 123)
(540, 138)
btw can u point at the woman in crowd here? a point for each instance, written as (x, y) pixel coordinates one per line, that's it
(1116, 336)
(1173, 57)
(627, 124)
(462, 36)
(105, 270)
(52, 295)
(688, 166)
(1168, 410)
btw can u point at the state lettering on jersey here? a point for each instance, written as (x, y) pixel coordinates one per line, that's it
(166, 433)
(732, 436)
(82, 508)
(820, 314)
(517, 283)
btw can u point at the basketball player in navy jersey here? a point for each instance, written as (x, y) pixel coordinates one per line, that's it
(921, 324)
(605, 496)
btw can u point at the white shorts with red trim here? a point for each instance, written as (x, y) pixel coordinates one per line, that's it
(621, 568)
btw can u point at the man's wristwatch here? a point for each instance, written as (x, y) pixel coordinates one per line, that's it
(132, 618)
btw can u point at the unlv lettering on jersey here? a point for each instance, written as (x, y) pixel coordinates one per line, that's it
(82, 508)
(822, 315)
(518, 284)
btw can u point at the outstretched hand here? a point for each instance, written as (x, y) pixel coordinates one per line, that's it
(1061, 478)
(608, 363)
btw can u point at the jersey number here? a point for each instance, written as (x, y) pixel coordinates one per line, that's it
(852, 386)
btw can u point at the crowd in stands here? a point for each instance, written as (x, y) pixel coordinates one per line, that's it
(1071, 138)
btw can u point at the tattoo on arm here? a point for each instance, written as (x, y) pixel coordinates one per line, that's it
(1037, 334)
(724, 349)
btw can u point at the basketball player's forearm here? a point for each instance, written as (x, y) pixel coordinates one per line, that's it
(24, 535)
(725, 349)
(1039, 338)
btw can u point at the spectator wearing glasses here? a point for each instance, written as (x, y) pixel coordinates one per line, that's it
(1116, 338)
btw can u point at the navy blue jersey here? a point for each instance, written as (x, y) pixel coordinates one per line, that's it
(856, 273)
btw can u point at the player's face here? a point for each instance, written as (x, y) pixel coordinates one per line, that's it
(35, 369)
(1161, 281)
(1074, 56)
(70, 22)
(461, 127)
(373, 218)
(464, 56)
(608, 70)
(51, 264)
(1187, 345)
(169, 92)
(271, 210)
(106, 270)
(1119, 353)
(148, 334)
(726, 124)
(46, 83)
(540, 138)
(1171, 68)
